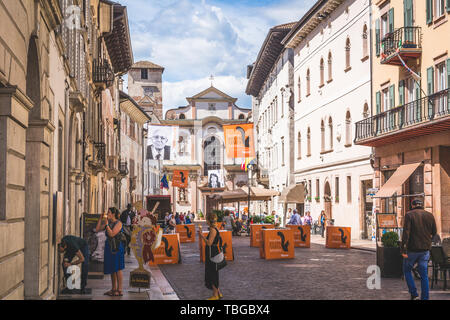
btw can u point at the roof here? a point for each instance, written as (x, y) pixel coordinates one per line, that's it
(146, 65)
(142, 114)
(268, 55)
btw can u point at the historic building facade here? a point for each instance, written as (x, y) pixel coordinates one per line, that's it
(409, 126)
(332, 84)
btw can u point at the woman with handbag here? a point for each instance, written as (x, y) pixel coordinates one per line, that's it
(212, 251)
(114, 259)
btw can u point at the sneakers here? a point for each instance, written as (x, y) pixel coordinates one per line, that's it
(415, 298)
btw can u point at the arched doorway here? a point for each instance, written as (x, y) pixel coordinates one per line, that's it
(327, 201)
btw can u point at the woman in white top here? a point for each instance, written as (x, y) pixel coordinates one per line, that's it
(228, 219)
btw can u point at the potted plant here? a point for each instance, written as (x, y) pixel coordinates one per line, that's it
(317, 199)
(269, 220)
(308, 198)
(389, 258)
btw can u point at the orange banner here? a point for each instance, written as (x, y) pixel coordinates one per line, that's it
(277, 244)
(302, 235)
(338, 237)
(221, 225)
(186, 232)
(227, 244)
(255, 233)
(169, 250)
(180, 178)
(239, 140)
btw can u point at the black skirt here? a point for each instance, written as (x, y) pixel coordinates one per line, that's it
(211, 272)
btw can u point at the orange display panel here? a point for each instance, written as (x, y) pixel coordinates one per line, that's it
(180, 178)
(255, 233)
(169, 250)
(227, 244)
(302, 235)
(277, 244)
(338, 237)
(186, 232)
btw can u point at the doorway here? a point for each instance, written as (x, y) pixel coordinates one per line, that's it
(327, 201)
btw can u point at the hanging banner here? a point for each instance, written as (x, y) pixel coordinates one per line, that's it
(239, 141)
(302, 235)
(338, 237)
(255, 233)
(227, 245)
(160, 142)
(215, 179)
(186, 232)
(277, 244)
(180, 178)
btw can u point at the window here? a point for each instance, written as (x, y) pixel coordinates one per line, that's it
(308, 83)
(308, 144)
(282, 151)
(241, 117)
(322, 136)
(336, 190)
(349, 189)
(330, 67)
(144, 73)
(322, 70)
(299, 145)
(365, 42)
(440, 8)
(149, 91)
(384, 26)
(317, 188)
(330, 128)
(212, 107)
(385, 94)
(299, 88)
(348, 127)
(441, 84)
(366, 113)
(347, 54)
(182, 116)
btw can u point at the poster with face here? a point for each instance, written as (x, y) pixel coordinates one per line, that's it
(160, 142)
(215, 179)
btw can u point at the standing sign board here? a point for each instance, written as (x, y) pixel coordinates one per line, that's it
(302, 235)
(96, 242)
(227, 245)
(186, 232)
(255, 233)
(338, 237)
(277, 244)
(169, 250)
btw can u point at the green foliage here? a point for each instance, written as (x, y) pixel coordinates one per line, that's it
(390, 239)
(257, 219)
(269, 219)
(200, 214)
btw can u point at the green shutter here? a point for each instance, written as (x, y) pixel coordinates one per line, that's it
(448, 74)
(392, 96)
(391, 20)
(401, 92)
(448, 5)
(408, 12)
(378, 98)
(429, 11)
(377, 36)
(430, 81)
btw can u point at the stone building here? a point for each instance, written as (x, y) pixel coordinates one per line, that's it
(332, 82)
(409, 127)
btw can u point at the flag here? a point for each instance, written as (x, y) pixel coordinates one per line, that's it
(246, 162)
(416, 77)
(164, 183)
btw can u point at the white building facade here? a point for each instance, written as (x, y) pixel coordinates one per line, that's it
(332, 80)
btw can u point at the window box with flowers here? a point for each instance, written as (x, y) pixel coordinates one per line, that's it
(308, 199)
(317, 199)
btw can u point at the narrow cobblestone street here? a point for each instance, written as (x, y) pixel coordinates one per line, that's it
(315, 273)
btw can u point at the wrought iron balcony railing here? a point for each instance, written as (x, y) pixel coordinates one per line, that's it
(123, 168)
(102, 73)
(406, 41)
(409, 115)
(100, 152)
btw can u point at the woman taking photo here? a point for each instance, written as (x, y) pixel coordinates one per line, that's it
(114, 260)
(211, 272)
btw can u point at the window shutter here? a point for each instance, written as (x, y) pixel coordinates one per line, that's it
(401, 92)
(448, 5)
(378, 99)
(429, 11)
(430, 81)
(391, 20)
(392, 96)
(377, 36)
(448, 74)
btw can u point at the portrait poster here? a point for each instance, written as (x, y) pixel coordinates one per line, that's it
(239, 140)
(215, 179)
(160, 143)
(180, 178)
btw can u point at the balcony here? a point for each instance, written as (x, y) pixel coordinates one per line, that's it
(123, 168)
(99, 161)
(406, 41)
(113, 167)
(103, 75)
(418, 118)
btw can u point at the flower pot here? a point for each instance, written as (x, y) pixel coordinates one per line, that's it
(390, 262)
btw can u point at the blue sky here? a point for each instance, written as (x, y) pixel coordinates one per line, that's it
(194, 39)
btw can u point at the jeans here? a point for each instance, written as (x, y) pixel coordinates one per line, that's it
(421, 258)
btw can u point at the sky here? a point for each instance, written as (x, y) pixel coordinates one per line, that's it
(194, 39)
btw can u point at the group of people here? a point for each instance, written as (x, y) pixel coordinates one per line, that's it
(171, 220)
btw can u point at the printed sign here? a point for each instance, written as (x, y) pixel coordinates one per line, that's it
(180, 178)
(186, 232)
(239, 140)
(255, 233)
(302, 235)
(140, 279)
(169, 250)
(227, 245)
(277, 244)
(215, 179)
(338, 237)
(96, 242)
(387, 220)
(161, 142)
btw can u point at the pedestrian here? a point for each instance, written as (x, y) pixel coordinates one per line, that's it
(211, 250)
(182, 218)
(114, 259)
(172, 224)
(187, 219)
(228, 219)
(73, 246)
(419, 227)
(308, 219)
(177, 218)
(323, 222)
(295, 218)
(127, 218)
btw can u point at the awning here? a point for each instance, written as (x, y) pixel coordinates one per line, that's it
(260, 193)
(293, 194)
(398, 178)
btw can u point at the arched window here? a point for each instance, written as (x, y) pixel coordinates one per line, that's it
(366, 111)
(241, 116)
(365, 37)
(322, 136)
(308, 83)
(348, 129)
(322, 70)
(182, 116)
(330, 128)
(299, 88)
(299, 145)
(212, 156)
(347, 53)
(308, 142)
(330, 67)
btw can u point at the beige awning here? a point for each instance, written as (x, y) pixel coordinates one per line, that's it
(293, 194)
(231, 196)
(396, 180)
(260, 193)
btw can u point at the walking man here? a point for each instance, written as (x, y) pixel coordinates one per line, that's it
(418, 229)
(127, 222)
(295, 219)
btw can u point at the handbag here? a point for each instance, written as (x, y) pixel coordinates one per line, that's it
(219, 260)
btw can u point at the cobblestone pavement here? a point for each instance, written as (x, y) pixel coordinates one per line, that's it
(315, 273)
